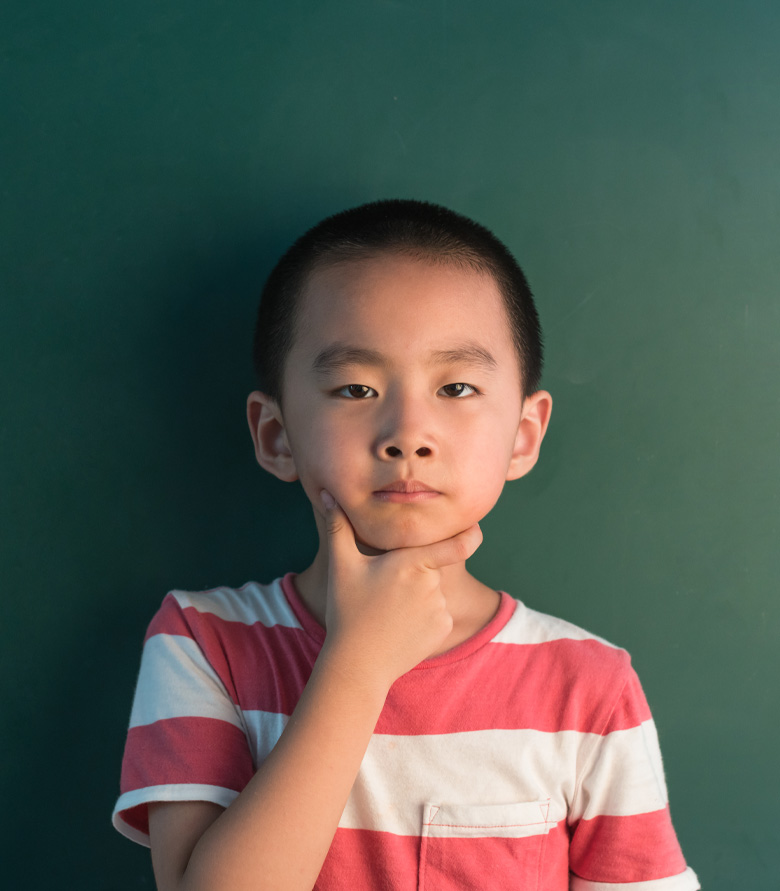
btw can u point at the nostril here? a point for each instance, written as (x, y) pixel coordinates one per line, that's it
(395, 452)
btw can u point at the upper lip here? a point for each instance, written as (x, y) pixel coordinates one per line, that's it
(406, 486)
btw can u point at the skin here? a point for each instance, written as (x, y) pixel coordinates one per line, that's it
(389, 580)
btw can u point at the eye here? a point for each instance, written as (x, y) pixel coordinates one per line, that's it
(356, 391)
(459, 391)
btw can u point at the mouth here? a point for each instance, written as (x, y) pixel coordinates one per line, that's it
(406, 486)
(406, 491)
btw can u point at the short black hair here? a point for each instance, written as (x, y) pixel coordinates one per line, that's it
(413, 228)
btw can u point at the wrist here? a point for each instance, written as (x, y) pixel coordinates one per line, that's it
(345, 670)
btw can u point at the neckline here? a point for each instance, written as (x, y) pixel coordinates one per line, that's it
(312, 627)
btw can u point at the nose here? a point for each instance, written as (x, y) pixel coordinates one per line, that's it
(405, 431)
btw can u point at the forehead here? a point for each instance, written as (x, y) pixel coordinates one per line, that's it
(400, 301)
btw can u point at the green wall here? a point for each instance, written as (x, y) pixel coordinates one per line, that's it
(156, 157)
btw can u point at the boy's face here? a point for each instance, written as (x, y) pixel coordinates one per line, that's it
(404, 372)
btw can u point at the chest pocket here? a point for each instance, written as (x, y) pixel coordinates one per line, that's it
(495, 846)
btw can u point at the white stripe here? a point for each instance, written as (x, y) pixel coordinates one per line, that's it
(172, 792)
(250, 603)
(400, 774)
(518, 820)
(264, 729)
(626, 776)
(527, 626)
(685, 881)
(176, 681)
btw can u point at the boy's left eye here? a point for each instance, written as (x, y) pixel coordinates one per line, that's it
(458, 391)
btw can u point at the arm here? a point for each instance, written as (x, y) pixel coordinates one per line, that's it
(384, 615)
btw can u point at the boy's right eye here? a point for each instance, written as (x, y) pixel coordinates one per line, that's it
(356, 391)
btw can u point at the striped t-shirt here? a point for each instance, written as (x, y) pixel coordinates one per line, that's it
(525, 758)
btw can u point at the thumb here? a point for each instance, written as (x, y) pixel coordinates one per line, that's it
(341, 535)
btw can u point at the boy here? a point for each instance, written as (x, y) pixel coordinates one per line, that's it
(440, 735)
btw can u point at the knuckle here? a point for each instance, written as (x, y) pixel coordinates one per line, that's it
(416, 571)
(461, 549)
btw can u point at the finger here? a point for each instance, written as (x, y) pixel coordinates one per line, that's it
(341, 535)
(452, 550)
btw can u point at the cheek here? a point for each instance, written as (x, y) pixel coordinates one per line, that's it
(487, 454)
(329, 459)
(484, 472)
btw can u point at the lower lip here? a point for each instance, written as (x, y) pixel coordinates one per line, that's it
(405, 497)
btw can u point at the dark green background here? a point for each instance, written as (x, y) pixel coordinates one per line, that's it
(156, 159)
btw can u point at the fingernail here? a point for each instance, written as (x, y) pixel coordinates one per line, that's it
(327, 499)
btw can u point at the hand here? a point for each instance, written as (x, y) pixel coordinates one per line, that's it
(386, 613)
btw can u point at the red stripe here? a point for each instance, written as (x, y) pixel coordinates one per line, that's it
(377, 861)
(169, 619)
(632, 709)
(183, 750)
(186, 750)
(639, 848)
(501, 864)
(559, 685)
(361, 858)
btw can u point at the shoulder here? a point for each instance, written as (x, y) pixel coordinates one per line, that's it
(584, 680)
(529, 627)
(215, 645)
(185, 611)
(222, 630)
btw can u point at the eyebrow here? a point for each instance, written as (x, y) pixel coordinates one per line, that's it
(339, 356)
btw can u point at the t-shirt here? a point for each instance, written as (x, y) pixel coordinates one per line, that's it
(525, 757)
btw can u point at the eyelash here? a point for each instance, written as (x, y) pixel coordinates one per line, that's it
(340, 391)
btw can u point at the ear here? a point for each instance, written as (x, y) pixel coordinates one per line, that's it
(534, 419)
(272, 448)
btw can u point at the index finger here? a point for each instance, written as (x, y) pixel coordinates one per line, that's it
(341, 540)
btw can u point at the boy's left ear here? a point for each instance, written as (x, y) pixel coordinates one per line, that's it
(266, 425)
(534, 419)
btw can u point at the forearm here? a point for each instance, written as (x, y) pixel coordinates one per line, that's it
(278, 831)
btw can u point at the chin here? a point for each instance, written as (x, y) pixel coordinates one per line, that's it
(413, 529)
(370, 550)
(388, 540)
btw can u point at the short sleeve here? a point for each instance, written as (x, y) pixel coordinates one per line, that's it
(621, 830)
(186, 740)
